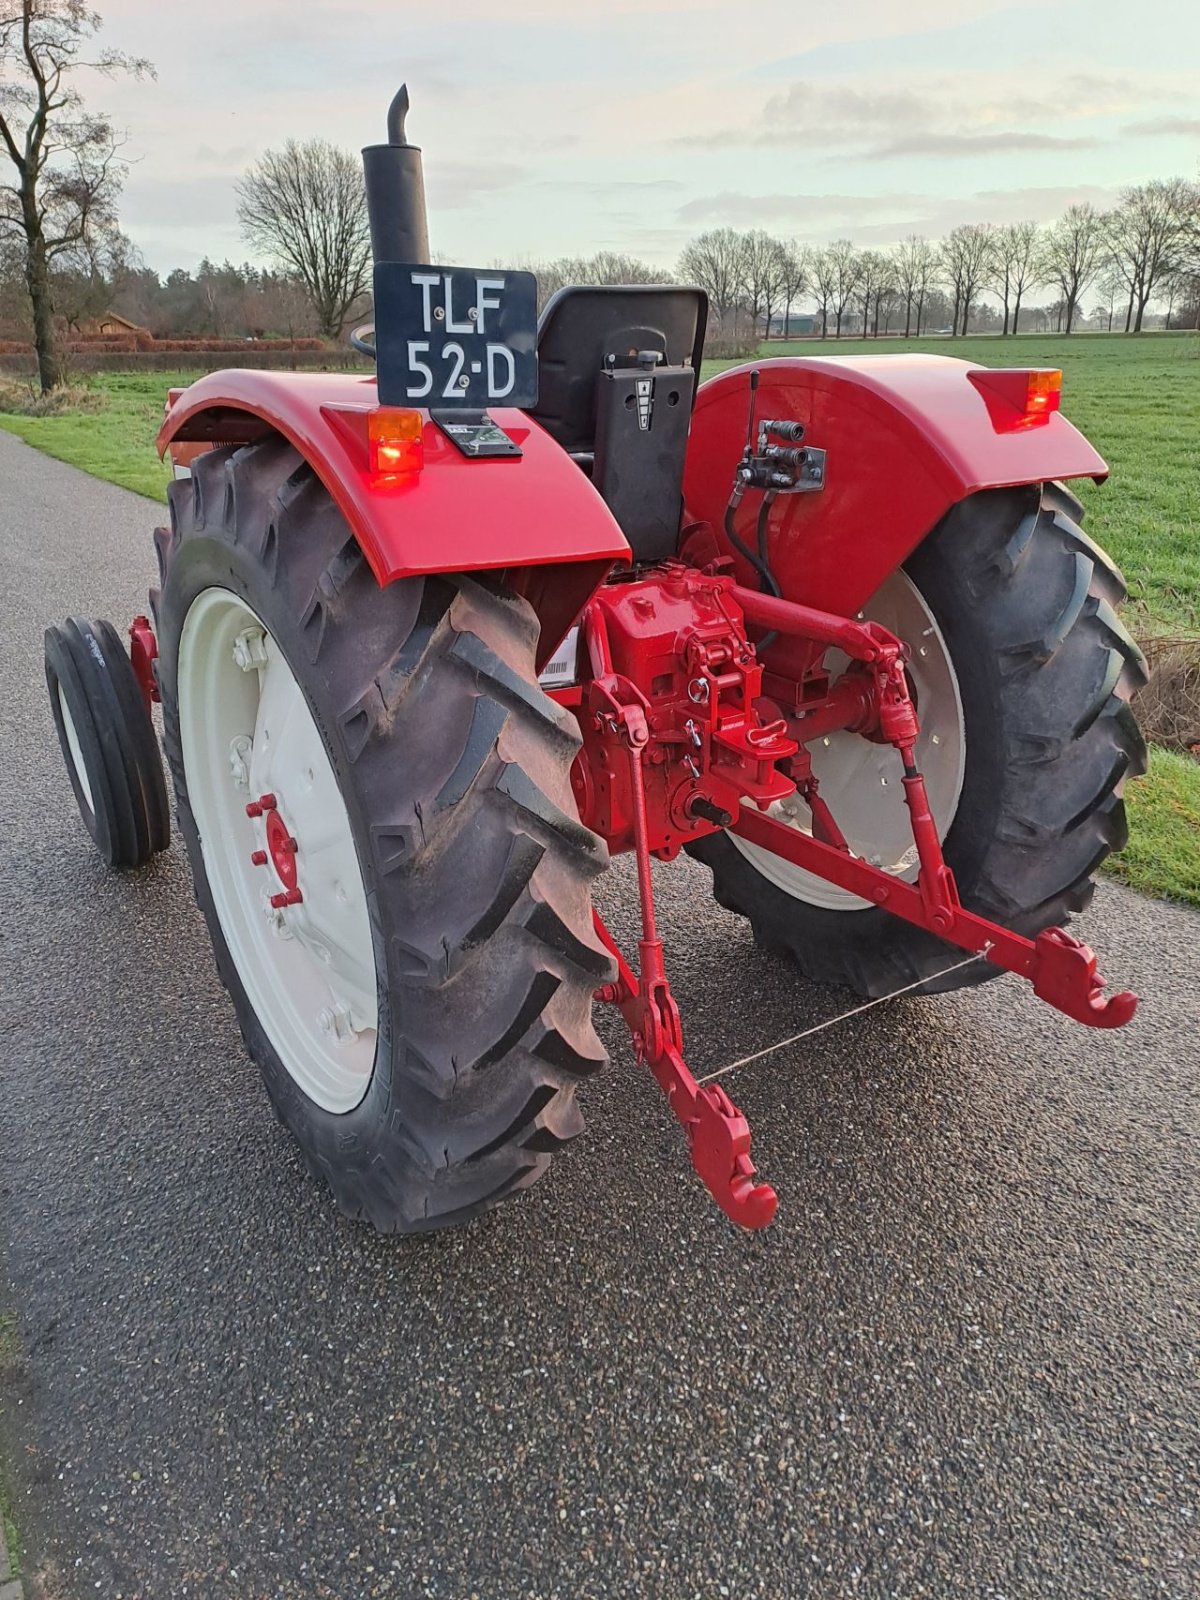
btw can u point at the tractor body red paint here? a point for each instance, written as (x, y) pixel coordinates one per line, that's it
(282, 847)
(679, 639)
(907, 436)
(671, 715)
(519, 515)
(143, 652)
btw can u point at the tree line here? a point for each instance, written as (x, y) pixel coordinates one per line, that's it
(1146, 249)
(64, 259)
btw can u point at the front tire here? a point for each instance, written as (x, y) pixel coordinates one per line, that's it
(1025, 606)
(459, 991)
(108, 742)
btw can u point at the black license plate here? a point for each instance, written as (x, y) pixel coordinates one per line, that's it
(455, 338)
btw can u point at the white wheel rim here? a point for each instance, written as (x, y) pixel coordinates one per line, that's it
(860, 781)
(308, 968)
(76, 750)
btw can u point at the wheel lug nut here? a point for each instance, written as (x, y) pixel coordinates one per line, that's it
(265, 802)
(286, 897)
(335, 1022)
(259, 858)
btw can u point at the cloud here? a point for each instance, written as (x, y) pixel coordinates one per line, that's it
(933, 117)
(979, 144)
(614, 188)
(737, 209)
(1185, 127)
(234, 155)
(195, 203)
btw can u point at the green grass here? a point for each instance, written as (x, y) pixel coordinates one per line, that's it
(1137, 399)
(1163, 854)
(117, 440)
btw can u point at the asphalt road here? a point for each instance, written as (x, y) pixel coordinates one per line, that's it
(960, 1364)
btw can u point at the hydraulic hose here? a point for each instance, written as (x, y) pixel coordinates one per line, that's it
(759, 562)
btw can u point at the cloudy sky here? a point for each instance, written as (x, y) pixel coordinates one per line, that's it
(555, 128)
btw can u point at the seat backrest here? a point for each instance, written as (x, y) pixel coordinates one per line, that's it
(587, 329)
(617, 372)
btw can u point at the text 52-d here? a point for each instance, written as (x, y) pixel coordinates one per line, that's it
(479, 357)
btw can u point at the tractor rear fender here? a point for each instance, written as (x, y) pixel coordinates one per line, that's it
(536, 519)
(907, 437)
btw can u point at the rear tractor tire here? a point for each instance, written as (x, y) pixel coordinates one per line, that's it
(375, 798)
(1023, 678)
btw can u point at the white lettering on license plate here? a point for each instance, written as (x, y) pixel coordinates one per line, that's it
(441, 313)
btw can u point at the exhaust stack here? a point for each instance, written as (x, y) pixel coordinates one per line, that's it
(395, 183)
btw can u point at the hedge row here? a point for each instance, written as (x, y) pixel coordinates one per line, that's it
(131, 344)
(263, 358)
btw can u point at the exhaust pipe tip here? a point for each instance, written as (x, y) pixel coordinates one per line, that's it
(395, 187)
(397, 114)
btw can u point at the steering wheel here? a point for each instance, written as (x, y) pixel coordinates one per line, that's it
(359, 340)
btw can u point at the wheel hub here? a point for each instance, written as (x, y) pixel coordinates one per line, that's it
(281, 851)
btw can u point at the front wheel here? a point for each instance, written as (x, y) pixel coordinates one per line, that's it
(375, 797)
(1022, 675)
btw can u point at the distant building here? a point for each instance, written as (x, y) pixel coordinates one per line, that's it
(113, 326)
(800, 325)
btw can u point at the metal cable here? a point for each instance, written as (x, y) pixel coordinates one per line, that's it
(845, 1016)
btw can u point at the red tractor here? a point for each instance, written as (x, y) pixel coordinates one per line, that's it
(432, 645)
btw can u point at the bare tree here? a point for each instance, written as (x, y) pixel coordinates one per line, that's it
(1110, 284)
(1073, 253)
(870, 268)
(1185, 285)
(822, 278)
(83, 279)
(66, 174)
(760, 275)
(845, 267)
(887, 290)
(1147, 238)
(917, 269)
(608, 266)
(965, 253)
(794, 278)
(715, 262)
(305, 206)
(1013, 267)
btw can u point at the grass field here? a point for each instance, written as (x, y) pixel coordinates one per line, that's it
(1138, 400)
(115, 441)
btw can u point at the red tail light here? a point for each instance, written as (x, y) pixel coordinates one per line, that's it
(1043, 392)
(1019, 396)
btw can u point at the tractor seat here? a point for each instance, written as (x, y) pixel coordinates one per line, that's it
(617, 372)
